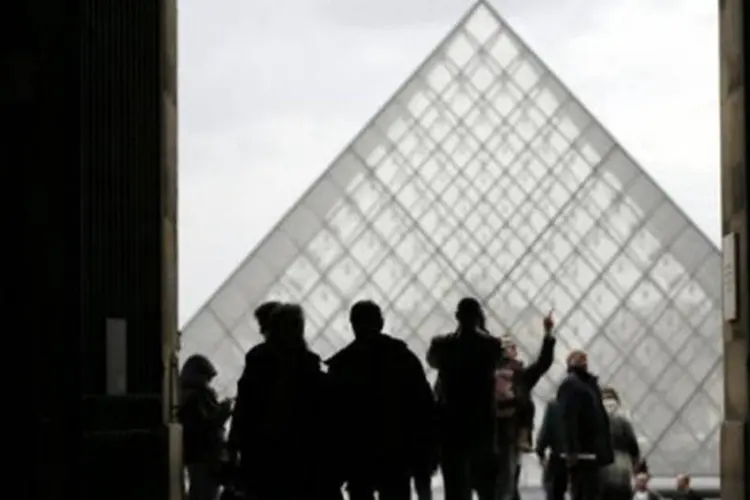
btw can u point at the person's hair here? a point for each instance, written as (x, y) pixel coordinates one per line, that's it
(470, 311)
(574, 356)
(197, 370)
(366, 317)
(263, 314)
(287, 327)
(610, 393)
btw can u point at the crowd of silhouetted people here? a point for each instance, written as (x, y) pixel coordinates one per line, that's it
(367, 422)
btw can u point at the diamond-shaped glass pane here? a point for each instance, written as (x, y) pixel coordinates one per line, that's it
(484, 176)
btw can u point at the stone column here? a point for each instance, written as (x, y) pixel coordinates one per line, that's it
(169, 273)
(734, 177)
(90, 92)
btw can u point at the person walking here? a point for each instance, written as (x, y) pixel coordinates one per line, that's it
(617, 477)
(548, 449)
(466, 361)
(384, 409)
(587, 442)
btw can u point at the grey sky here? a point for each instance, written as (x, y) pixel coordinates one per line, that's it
(271, 91)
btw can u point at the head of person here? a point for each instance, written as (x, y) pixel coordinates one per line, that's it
(366, 319)
(683, 482)
(578, 361)
(611, 400)
(263, 315)
(469, 314)
(641, 481)
(510, 347)
(287, 327)
(197, 371)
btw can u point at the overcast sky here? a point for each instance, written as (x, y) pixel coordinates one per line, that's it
(272, 90)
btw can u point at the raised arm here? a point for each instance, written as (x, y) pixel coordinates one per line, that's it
(536, 370)
(541, 365)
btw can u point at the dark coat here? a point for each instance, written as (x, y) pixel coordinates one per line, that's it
(466, 364)
(550, 435)
(201, 415)
(202, 418)
(281, 423)
(385, 410)
(627, 452)
(585, 423)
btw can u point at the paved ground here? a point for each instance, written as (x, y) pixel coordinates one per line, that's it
(532, 493)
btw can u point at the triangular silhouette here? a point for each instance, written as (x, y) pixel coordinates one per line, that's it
(485, 176)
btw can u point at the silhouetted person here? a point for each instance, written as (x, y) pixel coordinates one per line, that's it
(586, 444)
(516, 421)
(263, 314)
(281, 434)
(616, 477)
(684, 489)
(384, 408)
(202, 417)
(548, 449)
(466, 361)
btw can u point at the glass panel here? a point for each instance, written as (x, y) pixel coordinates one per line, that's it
(245, 333)
(324, 249)
(653, 416)
(675, 385)
(346, 276)
(702, 416)
(206, 331)
(632, 388)
(705, 461)
(481, 25)
(346, 222)
(604, 356)
(676, 447)
(324, 300)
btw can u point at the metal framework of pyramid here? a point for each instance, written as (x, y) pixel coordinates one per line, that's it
(485, 176)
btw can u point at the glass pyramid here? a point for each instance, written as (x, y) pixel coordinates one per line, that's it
(484, 176)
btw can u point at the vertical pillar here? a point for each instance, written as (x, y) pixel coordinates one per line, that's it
(734, 179)
(91, 96)
(169, 160)
(128, 205)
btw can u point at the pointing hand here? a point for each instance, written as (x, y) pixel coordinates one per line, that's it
(549, 322)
